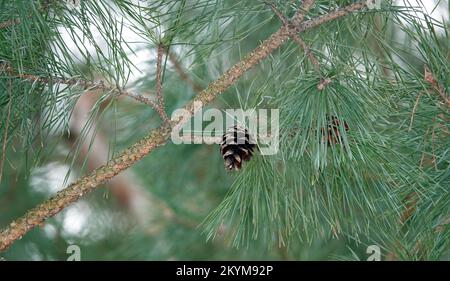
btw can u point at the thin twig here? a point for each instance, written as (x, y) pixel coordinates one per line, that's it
(280, 16)
(44, 8)
(429, 77)
(141, 98)
(308, 51)
(149, 102)
(89, 86)
(159, 90)
(5, 135)
(298, 18)
(199, 139)
(416, 104)
(157, 137)
(85, 85)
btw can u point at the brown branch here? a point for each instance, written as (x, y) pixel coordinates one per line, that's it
(308, 51)
(298, 18)
(312, 23)
(156, 137)
(149, 211)
(44, 8)
(182, 73)
(323, 83)
(416, 104)
(9, 23)
(428, 76)
(280, 16)
(88, 86)
(140, 98)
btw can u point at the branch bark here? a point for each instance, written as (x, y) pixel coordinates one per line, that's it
(182, 73)
(296, 20)
(5, 135)
(158, 136)
(9, 23)
(159, 90)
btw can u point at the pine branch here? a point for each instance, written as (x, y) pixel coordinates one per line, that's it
(329, 17)
(159, 90)
(429, 78)
(44, 8)
(9, 23)
(182, 73)
(158, 136)
(133, 197)
(147, 101)
(296, 20)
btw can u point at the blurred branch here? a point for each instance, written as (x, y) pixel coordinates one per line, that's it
(430, 79)
(200, 139)
(159, 136)
(85, 85)
(9, 23)
(5, 135)
(141, 204)
(159, 90)
(147, 101)
(296, 20)
(428, 76)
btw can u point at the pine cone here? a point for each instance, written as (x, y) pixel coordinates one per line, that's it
(236, 146)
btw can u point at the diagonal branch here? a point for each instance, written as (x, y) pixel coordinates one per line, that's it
(149, 102)
(277, 12)
(156, 137)
(429, 78)
(308, 51)
(43, 8)
(341, 12)
(9, 23)
(297, 19)
(88, 86)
